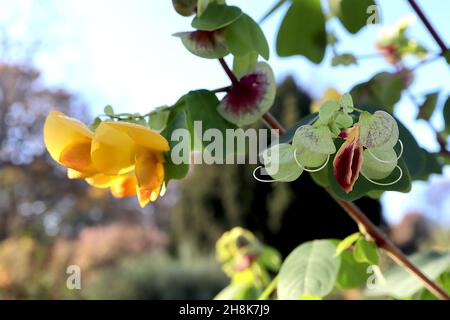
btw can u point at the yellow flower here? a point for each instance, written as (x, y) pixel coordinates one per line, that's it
(119, 148)
(125, 157)
(69, 143)
(329, 94)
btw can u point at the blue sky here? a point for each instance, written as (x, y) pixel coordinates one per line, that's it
(122, 53)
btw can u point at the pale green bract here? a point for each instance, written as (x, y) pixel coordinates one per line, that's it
(379, 130)
(280, 163)
(315, 139)
(373, 168)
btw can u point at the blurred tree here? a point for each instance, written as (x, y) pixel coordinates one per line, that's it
(216, 198)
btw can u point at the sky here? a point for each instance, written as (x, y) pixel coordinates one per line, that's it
(122, 54)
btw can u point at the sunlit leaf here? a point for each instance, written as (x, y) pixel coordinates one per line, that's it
(310, 270)
(216, 16)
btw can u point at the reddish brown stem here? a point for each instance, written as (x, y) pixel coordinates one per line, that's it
(228, 71)
(428, 25)
(374, 232)
(223, 89)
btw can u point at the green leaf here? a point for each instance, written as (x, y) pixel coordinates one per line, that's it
(202, 5)
(347, 242)
(446, 112)
(201, 106)
(289, 135)
(352, 13)
(158, 118)
(365, 251)
(177, 120)
(302, 31)
(383, 90)
(108, 110)
(244, 64)
(432, 165)
(310, 270)
(245, 36)
(327, 111)
(321, 177)
(352, 274)
(216, 16)
(400, 284)
(427, 108)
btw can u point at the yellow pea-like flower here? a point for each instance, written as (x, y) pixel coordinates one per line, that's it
(119, 148)
(69, 143)
(125, 157)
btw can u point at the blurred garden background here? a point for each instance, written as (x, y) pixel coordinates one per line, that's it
(79, 56)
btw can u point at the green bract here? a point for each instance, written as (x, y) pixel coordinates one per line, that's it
(379, 130)
(313, 145)
(251, 97)
(205, 44)
(280, 163)
(328, 110)
(245, 36)
(216, 16)
(373, 168)
(203, 4)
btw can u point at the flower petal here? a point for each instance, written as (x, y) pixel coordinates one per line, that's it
(113, 151)
(101, 180)
(142, 136)
(348, 161)
(124, 186)
(61, 131)
(77, 156)
(150, 176)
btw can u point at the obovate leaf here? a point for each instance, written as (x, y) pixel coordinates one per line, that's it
(245, 36)
(383, 90)
(216, 16)
(352, 13)
(302, 31)
(352, 274)
(365, 252)
(427, 108)
(310, 270)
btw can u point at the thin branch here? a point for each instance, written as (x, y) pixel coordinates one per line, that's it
(380, 239)
(428, 25)
(228, 71)
(223, 89)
